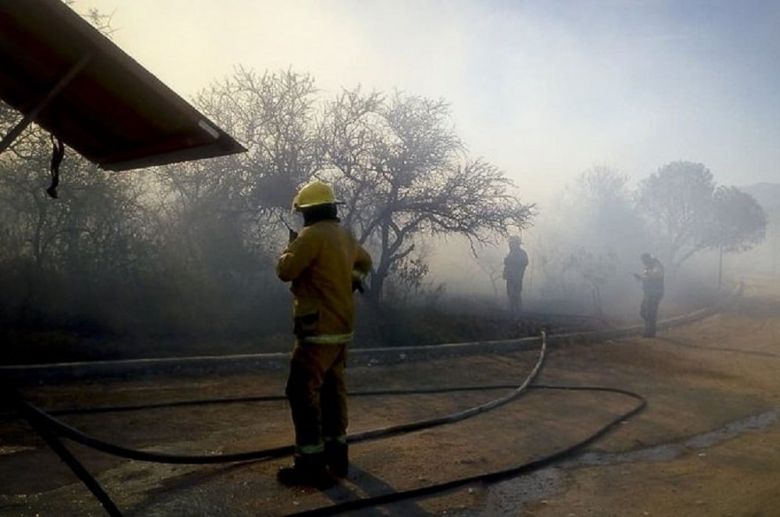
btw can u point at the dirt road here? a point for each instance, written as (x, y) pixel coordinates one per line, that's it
(708, 443)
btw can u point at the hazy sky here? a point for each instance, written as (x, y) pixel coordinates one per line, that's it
(544, 89)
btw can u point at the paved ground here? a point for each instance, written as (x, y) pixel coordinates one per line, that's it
(706, 445)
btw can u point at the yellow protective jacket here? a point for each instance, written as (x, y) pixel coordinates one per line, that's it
(321, 263)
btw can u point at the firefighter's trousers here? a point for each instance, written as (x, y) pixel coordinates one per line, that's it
(514, 290)
(649, 312)
(318, 395)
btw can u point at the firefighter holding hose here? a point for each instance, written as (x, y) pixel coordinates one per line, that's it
(324, 264)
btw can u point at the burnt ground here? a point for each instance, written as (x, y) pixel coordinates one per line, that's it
(706, 445)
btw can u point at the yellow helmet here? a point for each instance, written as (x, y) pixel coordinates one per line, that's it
(312, 194)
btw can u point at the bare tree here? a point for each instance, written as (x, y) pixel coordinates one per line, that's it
(234, 202)
(677, 202)
(404, 173)
(738, 224)
(65, 254)
(274, 116)
(597, 210)
(597, 270)
(689, 214)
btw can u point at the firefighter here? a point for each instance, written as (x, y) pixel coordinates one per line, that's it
(325, 265)
(514, 269)
(652, 278)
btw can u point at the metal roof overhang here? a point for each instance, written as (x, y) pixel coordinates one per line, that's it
(62, 73)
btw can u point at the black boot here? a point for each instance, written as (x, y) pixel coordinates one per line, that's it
(308, 470)
(337, 458)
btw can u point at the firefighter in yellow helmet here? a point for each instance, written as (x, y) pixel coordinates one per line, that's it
(325, 264)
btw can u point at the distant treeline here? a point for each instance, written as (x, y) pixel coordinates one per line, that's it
(587, 243)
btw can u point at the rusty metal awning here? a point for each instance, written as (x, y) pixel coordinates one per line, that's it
(63, 74)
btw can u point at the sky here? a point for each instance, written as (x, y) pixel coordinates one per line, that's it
(544, 89)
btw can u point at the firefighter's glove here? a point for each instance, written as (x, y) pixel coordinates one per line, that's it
(357, 281)
(292, 235)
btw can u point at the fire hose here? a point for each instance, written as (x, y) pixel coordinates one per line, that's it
(51, 429)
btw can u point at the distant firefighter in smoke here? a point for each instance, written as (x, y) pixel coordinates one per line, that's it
(325, 265)
(652, 278)
(514, 270)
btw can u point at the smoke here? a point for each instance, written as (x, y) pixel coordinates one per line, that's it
(584, 250)
(542, 89)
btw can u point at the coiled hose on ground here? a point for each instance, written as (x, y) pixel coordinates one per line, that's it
(51, 429)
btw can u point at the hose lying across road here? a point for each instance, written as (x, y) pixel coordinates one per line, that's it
(51, 428)
(32, 413)
(497, 475)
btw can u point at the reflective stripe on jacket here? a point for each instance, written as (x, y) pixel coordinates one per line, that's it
(320, 264)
